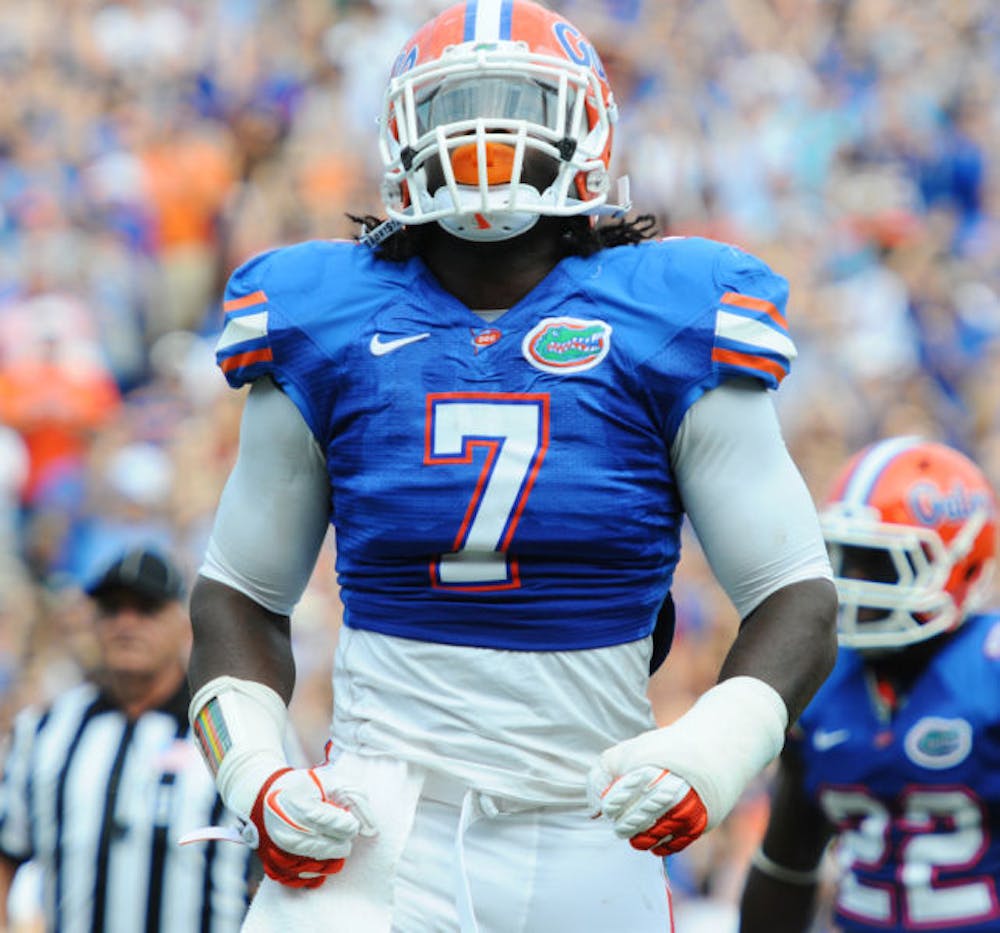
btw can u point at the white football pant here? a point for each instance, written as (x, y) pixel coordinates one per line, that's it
(448, 860)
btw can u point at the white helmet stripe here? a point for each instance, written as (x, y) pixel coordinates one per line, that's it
(867, 472)
(488, 20)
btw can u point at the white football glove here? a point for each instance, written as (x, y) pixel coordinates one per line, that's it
(648, 805)
(301, 821)
(305, 830)
(666, 787)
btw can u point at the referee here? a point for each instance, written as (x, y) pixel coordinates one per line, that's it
(97, 789)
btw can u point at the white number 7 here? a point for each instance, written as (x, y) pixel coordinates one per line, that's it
(514, 429)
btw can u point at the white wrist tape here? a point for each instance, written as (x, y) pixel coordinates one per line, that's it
(718, 746)
(240, 727)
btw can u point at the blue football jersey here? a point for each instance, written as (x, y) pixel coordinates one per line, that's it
(915, 796)
(504, 484)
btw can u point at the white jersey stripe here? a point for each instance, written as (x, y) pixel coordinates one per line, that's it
(871, 466)
(242, 328)
(754, 333)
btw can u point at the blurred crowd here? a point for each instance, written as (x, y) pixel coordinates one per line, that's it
(149, 146)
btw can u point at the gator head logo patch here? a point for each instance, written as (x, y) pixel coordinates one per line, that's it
(934, 742)
(566, 344)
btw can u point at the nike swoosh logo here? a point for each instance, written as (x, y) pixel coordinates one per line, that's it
(272, 804)
(380, 347)
(824, 740)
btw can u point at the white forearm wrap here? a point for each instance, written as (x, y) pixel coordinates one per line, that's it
(247, 724)
(718, 746)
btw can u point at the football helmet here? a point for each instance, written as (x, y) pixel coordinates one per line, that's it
(480, 92)
(911, 527)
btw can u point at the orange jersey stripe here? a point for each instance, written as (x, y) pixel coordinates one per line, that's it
(749, 361)
(247, 301)
(263, 355)
(755, 304)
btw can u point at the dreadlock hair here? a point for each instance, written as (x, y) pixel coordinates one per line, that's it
(584, 239)
(579, 237)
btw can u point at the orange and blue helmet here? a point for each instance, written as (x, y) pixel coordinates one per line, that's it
(479, 90)
(911, 527)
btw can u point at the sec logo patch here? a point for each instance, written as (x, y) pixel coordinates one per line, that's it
(566, 344)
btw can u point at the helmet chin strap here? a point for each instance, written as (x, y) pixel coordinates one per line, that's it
(479, 226)
(488, 228)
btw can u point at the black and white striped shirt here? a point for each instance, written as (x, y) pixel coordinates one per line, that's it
(100, 801)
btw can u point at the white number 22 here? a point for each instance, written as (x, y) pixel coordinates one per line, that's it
(942, 832)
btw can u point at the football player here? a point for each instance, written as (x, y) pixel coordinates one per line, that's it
(505, 409)
(897, 756)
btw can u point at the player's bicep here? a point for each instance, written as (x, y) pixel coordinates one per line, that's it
(747, 502)
(274, 511)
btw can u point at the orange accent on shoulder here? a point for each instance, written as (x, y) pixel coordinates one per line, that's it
(755, 304)
(749, 361)
(247, 301)
(246, 359)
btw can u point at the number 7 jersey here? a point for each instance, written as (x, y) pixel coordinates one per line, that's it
(504, 484)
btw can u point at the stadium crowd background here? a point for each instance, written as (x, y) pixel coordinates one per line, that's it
(149, 146)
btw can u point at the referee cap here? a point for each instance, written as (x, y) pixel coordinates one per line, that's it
(142, 571)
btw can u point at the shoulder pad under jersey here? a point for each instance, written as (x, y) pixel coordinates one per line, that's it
(746, 301)
(274, 290)
(751, 330)
(288, 313)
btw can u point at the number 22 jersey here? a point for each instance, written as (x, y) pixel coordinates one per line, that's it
(915, 797)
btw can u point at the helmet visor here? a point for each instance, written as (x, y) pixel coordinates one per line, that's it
(499, 98)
